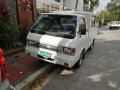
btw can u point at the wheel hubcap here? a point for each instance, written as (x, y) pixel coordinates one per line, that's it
(81, 59)
(80, 62)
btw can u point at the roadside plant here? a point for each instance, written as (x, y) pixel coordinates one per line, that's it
(8, 35)
(13, 30)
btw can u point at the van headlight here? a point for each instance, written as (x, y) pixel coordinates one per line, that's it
(69, 50)
(33, 43)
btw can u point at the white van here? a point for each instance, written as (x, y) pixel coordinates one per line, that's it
(62, 37)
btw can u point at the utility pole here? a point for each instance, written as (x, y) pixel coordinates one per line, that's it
(76, 5)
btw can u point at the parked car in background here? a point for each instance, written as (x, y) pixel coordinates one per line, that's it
(119, 24)
(114, 25)
(108, 24)
(4, 83)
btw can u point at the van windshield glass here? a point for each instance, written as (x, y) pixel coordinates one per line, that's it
(56, 25)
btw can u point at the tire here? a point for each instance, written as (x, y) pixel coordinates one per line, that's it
(80, 61)
(90, 48)
(110, 28)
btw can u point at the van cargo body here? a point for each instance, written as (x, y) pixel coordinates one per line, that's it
(60, 37)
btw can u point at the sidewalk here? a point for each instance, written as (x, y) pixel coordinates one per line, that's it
(14, 51)
(20, 66)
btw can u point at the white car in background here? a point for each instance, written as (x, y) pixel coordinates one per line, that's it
(119, 24)
(114, 25)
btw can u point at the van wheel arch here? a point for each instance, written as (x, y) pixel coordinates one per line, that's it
(93, 43)
(81, 59)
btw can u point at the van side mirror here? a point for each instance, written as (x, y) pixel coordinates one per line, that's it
(78, 33)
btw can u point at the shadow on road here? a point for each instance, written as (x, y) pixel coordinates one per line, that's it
(113, 41)
(99, 33)
(106, 28)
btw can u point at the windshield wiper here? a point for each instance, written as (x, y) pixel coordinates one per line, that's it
(66, 35)
(52, 33)
(38, 32)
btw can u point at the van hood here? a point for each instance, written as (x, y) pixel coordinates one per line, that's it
(51, 40)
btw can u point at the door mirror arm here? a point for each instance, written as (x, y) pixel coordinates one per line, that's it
(78, 33)
(83, 32)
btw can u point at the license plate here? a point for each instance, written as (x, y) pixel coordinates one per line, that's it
(44, 54)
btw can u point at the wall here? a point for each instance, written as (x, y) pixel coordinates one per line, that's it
(3, 10)
(12, 11)
(26, 14)
(8, 9)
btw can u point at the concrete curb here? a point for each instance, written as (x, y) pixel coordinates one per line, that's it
(7, 54)
(25, 84)
(16, 57)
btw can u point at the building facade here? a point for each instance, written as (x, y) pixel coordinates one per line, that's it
(74, 4)
(52, 5)
(49, 5)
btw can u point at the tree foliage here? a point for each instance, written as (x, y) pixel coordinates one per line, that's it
(93, 4)
(7, 34)
(113, 6)
(112, 13)
(102, 16)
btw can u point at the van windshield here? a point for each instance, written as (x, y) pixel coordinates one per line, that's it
(56, 25)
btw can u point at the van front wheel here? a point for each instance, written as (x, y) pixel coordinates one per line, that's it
(80, 61)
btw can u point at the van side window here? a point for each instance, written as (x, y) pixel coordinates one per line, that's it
(82, 26)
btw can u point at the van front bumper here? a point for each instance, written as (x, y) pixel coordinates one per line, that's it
(60, 59)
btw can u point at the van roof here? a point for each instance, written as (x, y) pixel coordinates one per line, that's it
(73, 12)
(63, 14)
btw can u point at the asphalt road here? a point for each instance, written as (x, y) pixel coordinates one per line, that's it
(100, 70)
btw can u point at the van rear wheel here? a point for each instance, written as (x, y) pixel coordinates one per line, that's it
(80, 61)
(90, 48)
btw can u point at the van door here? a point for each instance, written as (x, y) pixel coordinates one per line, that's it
(82, 34)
